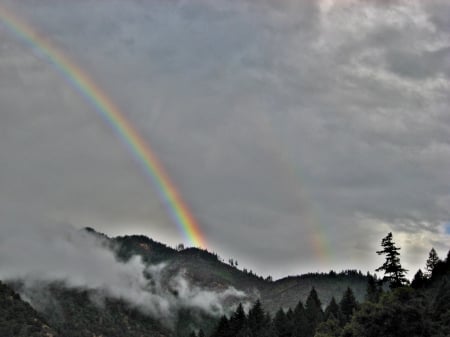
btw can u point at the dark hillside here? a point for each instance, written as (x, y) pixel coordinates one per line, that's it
(286, 293)
(18, 318)
(82, 313)
(207, 270)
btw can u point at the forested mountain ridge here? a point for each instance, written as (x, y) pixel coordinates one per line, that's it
(345, 304)
(207, 269)
(74, 312)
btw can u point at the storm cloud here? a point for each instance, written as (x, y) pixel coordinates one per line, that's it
(299, 132)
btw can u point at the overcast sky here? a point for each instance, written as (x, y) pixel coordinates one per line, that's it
(300, 132)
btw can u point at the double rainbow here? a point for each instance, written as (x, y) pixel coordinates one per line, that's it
(177, 209)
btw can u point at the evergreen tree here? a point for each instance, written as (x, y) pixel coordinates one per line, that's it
(347, 306)
(332, 310)
(313, 313)
(329, 328)
(257, 320)
(290, 318)
(223, 328)
(419, 280)
(441, 310)
(393, 271)
(399, 313)
(373, 290)
(192, 334)
(238, 320)
(299, 323)
(269, 328)
(201, 333)
(281, 324)
(432, 261)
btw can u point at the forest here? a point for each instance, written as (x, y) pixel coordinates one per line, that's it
(389, 305)
(392, 307)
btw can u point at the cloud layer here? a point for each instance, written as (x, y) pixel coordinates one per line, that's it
(311, 127)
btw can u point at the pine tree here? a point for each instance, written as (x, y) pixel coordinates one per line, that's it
(201, 333)
(441, 308)
(281, 325)
(347, 305)
(257, 320)
(393, 271)
(329, 328)
(299, 323)
(373, 290)
(223, 328)
(313, 313)
(419, 280)
(238, 320)
(332, 310)
(268, 327)
(432, 261)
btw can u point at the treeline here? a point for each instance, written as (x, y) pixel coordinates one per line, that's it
(305, 320)
(392, 307)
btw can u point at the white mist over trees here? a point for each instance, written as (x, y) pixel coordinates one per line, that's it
(46, 254)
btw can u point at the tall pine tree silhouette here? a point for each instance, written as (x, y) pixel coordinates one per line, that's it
(299, 322)
(332, 310)
(393, 271)
(237, 321)
(313, 313)
(373, 290)
(347, 305)
(432, 261)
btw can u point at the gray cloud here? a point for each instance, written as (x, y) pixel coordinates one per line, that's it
(278, 121)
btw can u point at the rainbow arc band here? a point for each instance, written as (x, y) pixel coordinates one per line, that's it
(177, 209)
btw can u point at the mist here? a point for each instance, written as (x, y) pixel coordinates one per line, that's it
(42, 255)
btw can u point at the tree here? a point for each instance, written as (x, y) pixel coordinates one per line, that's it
(432, 261)
(223, 328)
(419, 280)
(281, 325)
(313, 312)
(393, 271)
(373, 290)
(238, 320)
(298, 321)
(257, 320)
(332, 310)
(399, 313)
(347, 306)
(329, 328)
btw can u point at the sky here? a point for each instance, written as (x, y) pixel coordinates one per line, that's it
(299, 132)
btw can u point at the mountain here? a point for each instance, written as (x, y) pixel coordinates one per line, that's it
(82, 313)
(74, 312)
(18, 318)
(208, 270)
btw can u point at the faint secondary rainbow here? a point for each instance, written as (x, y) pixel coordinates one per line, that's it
(177, 209)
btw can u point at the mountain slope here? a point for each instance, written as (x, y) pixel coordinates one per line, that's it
(18, 318)
(83, 313)
(207, 270)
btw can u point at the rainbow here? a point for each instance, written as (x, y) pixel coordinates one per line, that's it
(177, 209)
